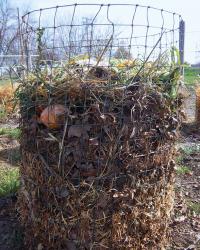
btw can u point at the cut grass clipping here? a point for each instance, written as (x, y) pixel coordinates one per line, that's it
(9, 180)
(183, 170)
(13, 133)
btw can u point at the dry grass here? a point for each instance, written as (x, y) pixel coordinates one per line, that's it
(6, 99)
(104, 178)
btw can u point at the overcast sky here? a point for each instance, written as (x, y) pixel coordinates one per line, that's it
(190, 11)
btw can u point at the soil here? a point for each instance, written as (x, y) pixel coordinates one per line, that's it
(185, 227)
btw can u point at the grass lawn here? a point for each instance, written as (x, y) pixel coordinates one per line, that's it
(9, 179)
(13, 133)
(191, 75)
(9, 172)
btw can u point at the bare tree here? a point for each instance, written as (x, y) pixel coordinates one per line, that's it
(122, 53)
(8, 30)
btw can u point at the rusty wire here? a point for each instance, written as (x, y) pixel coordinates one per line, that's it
(136, 31)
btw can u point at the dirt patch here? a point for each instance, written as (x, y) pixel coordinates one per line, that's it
(185, 227)
(9, 151)
(10, 122)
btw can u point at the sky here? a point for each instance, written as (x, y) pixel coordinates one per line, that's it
(189, 10)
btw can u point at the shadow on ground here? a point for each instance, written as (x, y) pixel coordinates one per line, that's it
(11, 235)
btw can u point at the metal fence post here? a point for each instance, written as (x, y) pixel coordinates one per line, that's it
(182, 43)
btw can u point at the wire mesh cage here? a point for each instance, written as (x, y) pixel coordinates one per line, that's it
(99, 115)
(95, 32)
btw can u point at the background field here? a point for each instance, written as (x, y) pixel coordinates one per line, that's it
(192, 75)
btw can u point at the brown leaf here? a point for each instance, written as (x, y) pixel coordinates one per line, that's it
(103, 201)
(75, 131)
(71, 245)
(91, 172)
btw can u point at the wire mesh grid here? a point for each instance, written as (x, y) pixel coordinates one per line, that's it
(97, 131)
(95, 30)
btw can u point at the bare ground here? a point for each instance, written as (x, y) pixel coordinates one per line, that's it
(185, 227)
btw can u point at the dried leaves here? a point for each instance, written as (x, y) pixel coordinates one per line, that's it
(113, 186)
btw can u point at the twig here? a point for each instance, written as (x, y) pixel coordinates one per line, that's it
(104, 51)
(46, 165)
(62, 143)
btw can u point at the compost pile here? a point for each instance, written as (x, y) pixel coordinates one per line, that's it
(97, 161)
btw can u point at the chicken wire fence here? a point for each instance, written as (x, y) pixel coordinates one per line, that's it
(99, 120)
